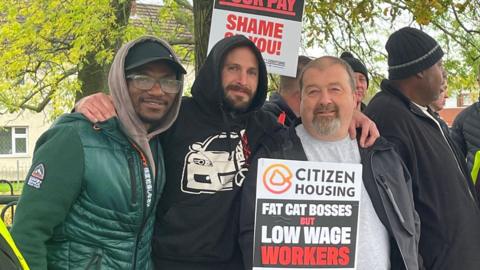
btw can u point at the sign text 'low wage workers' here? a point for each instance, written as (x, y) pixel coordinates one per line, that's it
(306, 214)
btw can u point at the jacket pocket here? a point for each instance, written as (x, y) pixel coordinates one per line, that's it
(95, 262)
(396, 204)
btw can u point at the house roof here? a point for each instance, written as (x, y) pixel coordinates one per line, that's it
(147, 16)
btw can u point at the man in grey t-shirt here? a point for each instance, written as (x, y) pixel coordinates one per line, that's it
(388, 224)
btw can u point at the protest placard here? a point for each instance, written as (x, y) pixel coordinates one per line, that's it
(306, 215)
(273, 25)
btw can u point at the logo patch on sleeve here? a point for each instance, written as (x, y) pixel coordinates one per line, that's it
(36, 178)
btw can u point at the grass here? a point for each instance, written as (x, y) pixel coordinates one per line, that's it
(8, 216)
(5, 189)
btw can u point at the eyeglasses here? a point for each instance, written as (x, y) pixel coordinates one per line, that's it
(145, 82)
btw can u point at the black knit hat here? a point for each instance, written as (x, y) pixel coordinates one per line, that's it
(411, 51)
(355, 64)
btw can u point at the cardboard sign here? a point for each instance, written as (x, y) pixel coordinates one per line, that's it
(275, 26)
(306, 215)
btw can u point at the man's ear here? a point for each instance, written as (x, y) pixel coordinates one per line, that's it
(420, 74)
(298, 94)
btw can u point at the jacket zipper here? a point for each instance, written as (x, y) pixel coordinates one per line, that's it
(450, 146)
(133, 184)
(145, 167)
(392, 199)
(387, 189)
(393, 202)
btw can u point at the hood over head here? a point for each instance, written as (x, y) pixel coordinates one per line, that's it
(134, 54)
(207, 89)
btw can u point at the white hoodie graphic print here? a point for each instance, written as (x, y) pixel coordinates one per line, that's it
(211, 166)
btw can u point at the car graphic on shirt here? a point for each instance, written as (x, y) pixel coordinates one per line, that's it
(210, 166)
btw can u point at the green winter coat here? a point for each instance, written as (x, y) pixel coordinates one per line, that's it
(90, 197)
(87, 201)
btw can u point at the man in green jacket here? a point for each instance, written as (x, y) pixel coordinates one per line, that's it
(90, 197)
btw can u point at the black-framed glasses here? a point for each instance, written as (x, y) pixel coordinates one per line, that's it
(145, 82)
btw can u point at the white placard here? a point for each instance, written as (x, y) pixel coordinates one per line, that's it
(306, 215)
(274, 26)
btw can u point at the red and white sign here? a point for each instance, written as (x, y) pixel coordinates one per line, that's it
(306, 215)
(275, 26)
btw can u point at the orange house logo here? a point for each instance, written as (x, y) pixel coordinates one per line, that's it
(277, 178)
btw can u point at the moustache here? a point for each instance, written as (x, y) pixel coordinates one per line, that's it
(322, 108)
(159, 101)
(238, 87)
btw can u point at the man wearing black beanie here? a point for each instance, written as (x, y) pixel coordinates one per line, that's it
(361, 78)
(443, 194)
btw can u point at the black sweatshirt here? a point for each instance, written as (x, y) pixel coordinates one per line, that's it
(205, 160)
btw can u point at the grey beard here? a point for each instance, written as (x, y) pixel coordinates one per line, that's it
(326, 126)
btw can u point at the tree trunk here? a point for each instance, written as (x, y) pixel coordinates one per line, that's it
(94, 76)
(202, 16)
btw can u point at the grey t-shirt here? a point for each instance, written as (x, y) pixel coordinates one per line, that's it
(373, 249)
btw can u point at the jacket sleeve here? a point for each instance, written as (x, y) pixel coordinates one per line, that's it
(51, 187)
(456, 132)
(403, 150)
(247, 212)
(260, 126)
(416, 216)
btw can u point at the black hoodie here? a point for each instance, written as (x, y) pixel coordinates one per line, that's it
(197, 218)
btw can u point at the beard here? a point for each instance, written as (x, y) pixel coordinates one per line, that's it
(237, 103)
(326, 125)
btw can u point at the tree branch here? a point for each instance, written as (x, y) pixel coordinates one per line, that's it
(23, 104)
(461, 23)
(184, 4)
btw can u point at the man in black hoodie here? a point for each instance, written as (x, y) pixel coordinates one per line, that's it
(206, 158)
(206, 149)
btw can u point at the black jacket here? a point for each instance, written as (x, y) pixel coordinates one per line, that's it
(276, 105)
(205, 160)
(387, 182)
(8, 259)
(466, 132)
(444, 197)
